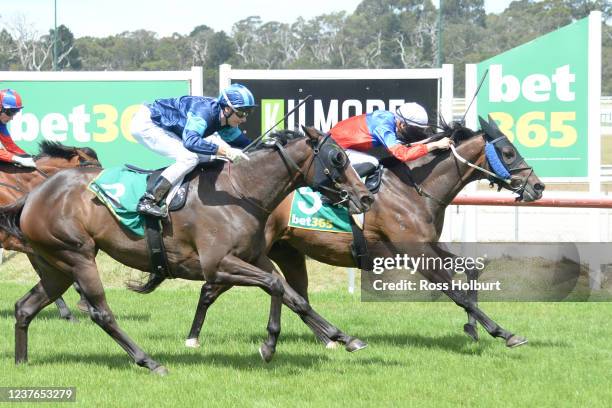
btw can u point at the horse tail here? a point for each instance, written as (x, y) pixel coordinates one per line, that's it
(9, 218)
(149, 286)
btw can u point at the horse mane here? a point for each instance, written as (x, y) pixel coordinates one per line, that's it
(283, 137)
(454, 130)
(56, 149)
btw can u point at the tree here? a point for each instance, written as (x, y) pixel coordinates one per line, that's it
(67, 53)
(8, 50)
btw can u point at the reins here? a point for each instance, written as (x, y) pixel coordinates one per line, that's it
(294, 169)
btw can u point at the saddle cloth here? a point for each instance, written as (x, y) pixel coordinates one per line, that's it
(310, 211)
(120, 188)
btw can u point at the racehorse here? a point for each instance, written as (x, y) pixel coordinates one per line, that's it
(218, 236)
(408, 209)
(16, 181)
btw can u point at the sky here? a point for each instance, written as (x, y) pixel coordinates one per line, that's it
(107, 17)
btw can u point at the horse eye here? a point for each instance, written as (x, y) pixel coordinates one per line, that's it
(508, 154)
(338, 158)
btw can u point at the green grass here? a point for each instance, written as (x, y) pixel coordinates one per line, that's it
(417, 356)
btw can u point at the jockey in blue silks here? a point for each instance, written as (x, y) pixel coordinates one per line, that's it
(191, 129)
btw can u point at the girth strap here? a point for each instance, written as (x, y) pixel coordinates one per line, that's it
(155, 245)
(359, 248)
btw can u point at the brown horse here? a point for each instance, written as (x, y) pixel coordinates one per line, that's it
(408, 209)
(218, 236)
(17, 181)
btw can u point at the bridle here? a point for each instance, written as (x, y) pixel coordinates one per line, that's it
(328, 169)
(501, 174)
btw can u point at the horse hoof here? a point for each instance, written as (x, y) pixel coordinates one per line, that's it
(332, 345)
(160, 370)
(355, 344)
(70, 319)
(266, 353)
(471, 331)
(192, 343)
(515, 341)
(83, 306)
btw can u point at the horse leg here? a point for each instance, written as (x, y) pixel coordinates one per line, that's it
(208, 294)
(463, 300)
(292, 263)
(235, 271)
(82, 303)
(59, 302)
(324, 330)
(471, 327)
(89, 281)
(26, 308)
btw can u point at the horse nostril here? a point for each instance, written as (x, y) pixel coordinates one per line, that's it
(539, 187)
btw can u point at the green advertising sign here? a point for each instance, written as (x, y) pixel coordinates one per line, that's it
(272, 111)
(538, 94)
(96, 114)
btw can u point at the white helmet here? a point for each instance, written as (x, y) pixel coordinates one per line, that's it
(412, 114)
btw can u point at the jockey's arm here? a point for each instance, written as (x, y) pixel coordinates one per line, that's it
(405, 153)
(398, 150)
(7, 141)
(234, 137)
(192, 136)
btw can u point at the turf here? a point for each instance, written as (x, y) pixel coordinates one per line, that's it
(417, 354)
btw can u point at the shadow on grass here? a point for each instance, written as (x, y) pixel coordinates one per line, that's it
(50, 312)
(242, 362)
(453, 342)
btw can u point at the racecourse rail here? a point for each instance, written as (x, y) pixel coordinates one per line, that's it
(560, 202)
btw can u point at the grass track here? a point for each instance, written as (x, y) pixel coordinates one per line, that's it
(417, 355)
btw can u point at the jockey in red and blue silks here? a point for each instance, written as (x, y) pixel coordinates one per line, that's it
(371, 136)
(10, 105)
(189, 130)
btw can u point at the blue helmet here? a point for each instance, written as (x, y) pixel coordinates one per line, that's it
(237, 97)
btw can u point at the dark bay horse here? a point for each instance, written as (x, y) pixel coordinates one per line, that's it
(409, 208)
(218, 236)
(17, 181)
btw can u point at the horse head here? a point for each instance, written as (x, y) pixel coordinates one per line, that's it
(323, 166)
(505, 161)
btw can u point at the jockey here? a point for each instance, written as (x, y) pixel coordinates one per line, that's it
(10, 105)
(379, 133)
(182, 129)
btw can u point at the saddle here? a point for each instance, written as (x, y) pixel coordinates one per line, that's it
(372, 174)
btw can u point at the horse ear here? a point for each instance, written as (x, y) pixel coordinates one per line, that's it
(493, 124)
(484, 125)
(310, 132)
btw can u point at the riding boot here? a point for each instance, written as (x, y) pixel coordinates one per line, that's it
(149, 203)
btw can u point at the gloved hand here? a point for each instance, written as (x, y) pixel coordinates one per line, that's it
(235, 155)
(24, 161)
(443, 143)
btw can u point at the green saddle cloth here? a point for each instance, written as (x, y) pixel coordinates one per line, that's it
(309, 212)
(120, 188)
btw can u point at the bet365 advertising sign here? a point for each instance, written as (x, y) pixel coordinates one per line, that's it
(93, 113)
(538, 94)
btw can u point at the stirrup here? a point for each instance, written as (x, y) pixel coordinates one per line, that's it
(152, 209)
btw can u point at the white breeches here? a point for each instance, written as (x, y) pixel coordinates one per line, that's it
(357, 157)
(168, 144)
